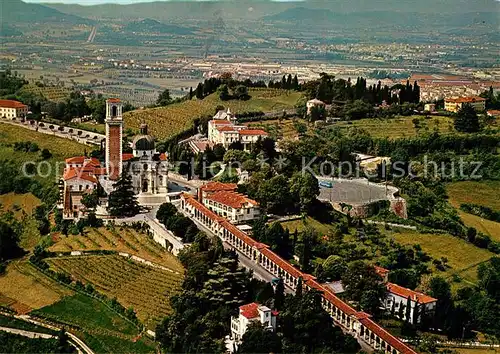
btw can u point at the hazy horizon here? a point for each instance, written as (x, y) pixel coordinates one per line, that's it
(121, 2)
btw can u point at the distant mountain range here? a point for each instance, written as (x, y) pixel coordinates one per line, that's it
(158, 16)
(17, 11)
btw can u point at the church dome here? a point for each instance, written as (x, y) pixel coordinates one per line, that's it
(144, 141)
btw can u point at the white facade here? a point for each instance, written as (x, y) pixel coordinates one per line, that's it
(222, 130)
(12, 109)
(397, 296)
(314, 103)
(233, 206)
(251, 313)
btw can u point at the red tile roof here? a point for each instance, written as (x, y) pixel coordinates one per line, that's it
(250, 310)
(75, 173)
(414, 296)
(208, 213)
(381, 271)
(127, 156)
(287, 267)
(493, 112)
(226, 129)
(219, 186)
(253, 132)
(232, 199)
(309, 280)
(12, 104)
(163, 156)
(79, 160)
(465, 99)
(113, 100)
(221, 122)
(386, 336)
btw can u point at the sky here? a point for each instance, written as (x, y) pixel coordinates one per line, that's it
(93, 2)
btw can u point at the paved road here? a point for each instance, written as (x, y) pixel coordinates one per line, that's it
(28, 334)
(354, 192)
(55, 132)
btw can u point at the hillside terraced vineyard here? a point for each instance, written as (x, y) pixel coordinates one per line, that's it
(145, 288)
(167, 121)
(120, 239)
(56, 94)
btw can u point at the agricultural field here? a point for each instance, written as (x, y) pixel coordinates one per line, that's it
(19, 204)
(167, 121)
(477, 351)
(400, 127)
(23, 288)
(59, 147)
(477, 192)
(142, 287)
(120, 239)
(50, 169)
(463, 257)
(97, 325)
(56, 94)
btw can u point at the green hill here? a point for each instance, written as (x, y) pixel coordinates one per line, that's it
(17, 11)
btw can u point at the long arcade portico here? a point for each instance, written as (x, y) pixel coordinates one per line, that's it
(357, 324)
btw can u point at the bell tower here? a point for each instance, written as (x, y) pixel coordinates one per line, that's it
(114, 131)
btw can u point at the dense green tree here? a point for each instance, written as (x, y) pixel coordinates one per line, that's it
(279, 295)
(122, 201)
(363, 284)
(223, 92)
(241, 93)
(466, 120)
(164, 98)
(259, 340)
(307, 328)
(305, 189)
(9, 239)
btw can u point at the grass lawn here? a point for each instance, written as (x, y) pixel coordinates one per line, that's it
(300, 225)
(24, 288)
(484, 193)
(142, 287)
(399, 127)
(477, 192)
(167, 121)
(462, 256)
(103, 330)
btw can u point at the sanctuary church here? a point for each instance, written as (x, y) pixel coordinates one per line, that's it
(147, 168)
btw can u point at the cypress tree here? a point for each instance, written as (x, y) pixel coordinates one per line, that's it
(298, 292)
(408, 310)
(295, 83)
(279, 295)
(122, 200)
(289, 82)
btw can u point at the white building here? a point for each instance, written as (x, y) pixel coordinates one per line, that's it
(314, 103)
(223, 130)
(251, 313)
(236, 207)
(147, 167)
(12, 109)
(398, 296)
